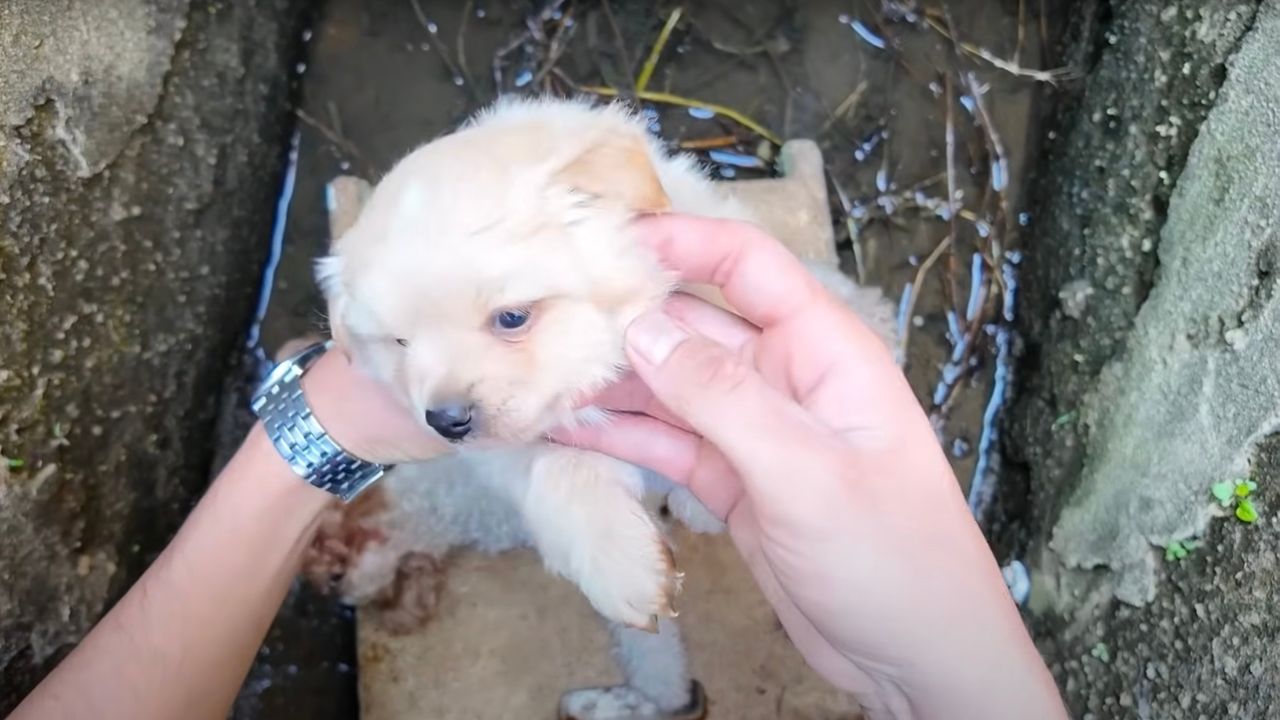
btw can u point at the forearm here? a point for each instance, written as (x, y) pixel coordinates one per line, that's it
(979, 663)
(181, 641)
(996, 679)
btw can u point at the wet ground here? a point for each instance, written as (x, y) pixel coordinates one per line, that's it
(912, 105)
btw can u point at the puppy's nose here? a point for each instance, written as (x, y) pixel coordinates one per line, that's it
(453, 422)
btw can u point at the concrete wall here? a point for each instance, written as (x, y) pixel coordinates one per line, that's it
(140, 152)
(1153, 368)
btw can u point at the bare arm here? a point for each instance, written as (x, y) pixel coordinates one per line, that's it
(180, 642)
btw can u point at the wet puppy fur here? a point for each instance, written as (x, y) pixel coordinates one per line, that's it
(488, 281)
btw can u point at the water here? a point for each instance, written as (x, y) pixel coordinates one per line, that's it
(983, 485)
(868, 36)
(735, 159)
(253, 340)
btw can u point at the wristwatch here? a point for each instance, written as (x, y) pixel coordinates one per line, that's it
(299, 437)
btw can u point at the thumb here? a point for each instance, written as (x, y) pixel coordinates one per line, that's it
(721, 397)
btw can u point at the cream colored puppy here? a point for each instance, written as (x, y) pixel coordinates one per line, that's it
(489, 280)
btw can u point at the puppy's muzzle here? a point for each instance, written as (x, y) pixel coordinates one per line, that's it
(453, 422)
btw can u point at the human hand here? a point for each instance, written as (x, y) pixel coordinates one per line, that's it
(794, 424)
(360, 414)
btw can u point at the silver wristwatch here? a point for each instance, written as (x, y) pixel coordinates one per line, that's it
(298, 436)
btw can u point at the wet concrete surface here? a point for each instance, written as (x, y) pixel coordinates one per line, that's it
(875, 86)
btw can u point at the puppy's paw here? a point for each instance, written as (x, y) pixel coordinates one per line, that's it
(413, 596)
(586, 518)
(630, 575)
(622, 702)
(346, 533)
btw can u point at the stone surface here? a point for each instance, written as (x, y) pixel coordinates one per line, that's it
(139, 155)
(797, 210)
(1098, 203)
(1199, 382)
(1153, 329)
(551, 640)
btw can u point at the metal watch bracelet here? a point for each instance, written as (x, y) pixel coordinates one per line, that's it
(299, 437)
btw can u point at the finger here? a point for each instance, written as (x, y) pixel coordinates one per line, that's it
(712, 322)
(676, 454)
(631, 395)
(758, 276)
(727, 402)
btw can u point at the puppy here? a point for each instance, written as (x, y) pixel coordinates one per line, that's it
(488, 281)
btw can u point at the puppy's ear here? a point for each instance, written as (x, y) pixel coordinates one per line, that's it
(329, 276)
(345, 196)
(616, 169)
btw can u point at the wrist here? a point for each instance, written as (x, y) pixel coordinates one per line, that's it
(265, 491)
(363, 417)
(264, 468)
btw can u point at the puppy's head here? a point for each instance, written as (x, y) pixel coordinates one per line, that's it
(492, 273)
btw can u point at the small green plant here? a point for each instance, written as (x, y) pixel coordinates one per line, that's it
(15, 463)
(1102, 652)
(1179, 549)
(1237, 492)
(1066, 419)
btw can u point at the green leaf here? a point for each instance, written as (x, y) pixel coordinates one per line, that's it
(1245, 511)
(1223, 491)
(15, 463)
(1242, 490)
(1251, 485)
(1175, 551)
(1101, 651)
(1065, 418)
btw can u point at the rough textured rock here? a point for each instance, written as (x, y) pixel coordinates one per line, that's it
(1199, 383)
(139, 155)
(1153, 326)
(1099, 200)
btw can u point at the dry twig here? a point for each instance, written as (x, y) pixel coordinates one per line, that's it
(1052, 76)
(625, 57)
(953, 264)
(711, 143)
(922, 273)
(651, 63)
(672, 99)
(459, 78)
(846, 106)
(334, 137)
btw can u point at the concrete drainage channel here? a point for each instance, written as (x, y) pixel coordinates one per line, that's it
(910, 107)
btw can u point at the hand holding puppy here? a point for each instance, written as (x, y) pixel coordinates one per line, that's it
(794, 424)
(361, 414)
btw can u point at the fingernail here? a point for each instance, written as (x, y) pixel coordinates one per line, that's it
(654, 335)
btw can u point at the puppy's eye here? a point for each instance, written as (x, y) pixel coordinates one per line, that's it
(510, 320)
(402, 342)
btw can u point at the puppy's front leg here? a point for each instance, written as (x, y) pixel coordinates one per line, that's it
(585, 516)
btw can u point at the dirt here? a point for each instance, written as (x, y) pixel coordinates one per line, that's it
(379, 81)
